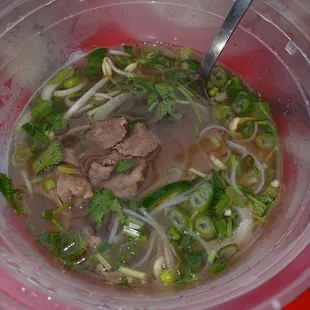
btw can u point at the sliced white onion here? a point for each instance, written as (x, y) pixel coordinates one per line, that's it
(254, 134)
(237, 148)
(174, 201)
(118, 53)
(82, 110)
(262, 174)
(233, 176)
(48, 90)
(105, 111)
(69, 102)
(70, 91)
(214, 127)
(80, 102)
(27, 182)
(114, 230)
(152, 241)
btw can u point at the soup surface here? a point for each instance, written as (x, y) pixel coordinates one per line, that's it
(134, 171)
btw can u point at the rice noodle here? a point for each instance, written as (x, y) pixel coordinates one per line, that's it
(233, 176)
(105, 111)
(237, 148)
(114, 230)
(69, 102)
(254, 134)
(213, 127)
(174, 201)
(150, 248)
(82, 110)
(168, 254)
(80, 102)
(225, 160)
(70, 91)
(48, 90)
(118, 53)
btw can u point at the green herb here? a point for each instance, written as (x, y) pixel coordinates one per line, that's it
(261, 110)
(124, 165)
(134, 205)
(218, 188)
(49, 158)
(72, 82)
(234, 86)
(61, 75)
(222, 205)
(41, 109)
(122, 61)
(104, 247)
(13, 196)
(221, 227)
(95, 59)
(128, 49)
(49, 185)
(223, 114)
(102, 203)
(242, 104)
(40, 139)
(234, 196)
(248, 130)
(124, 284)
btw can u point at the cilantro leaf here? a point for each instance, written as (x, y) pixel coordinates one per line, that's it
(165, 91)
(124, 165)
(234, 86)
(218, 188)
(124, 284)
(102, 203)
(12, 195)
(222, 205)
(95, 59)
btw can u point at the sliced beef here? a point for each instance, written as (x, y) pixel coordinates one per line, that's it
(140, 144)
(107, 134)
(73, 186)
(70, 158)
(102, 168)
(126, 185)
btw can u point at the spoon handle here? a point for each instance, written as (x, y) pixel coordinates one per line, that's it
(223, 35)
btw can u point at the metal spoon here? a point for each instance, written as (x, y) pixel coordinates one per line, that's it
(223, 35)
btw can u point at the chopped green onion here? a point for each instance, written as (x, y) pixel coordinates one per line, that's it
(132, 273)
(218, 76)
(72, 82)
(174, 235)
(61, 75)
(167, 276)
(204, 226)
(261, 110)
(67, 170)
(248, 130)
(178, 218)
(185, 54)
(37, 180)
(224, 114)
(49, 185)
(265, 141)
(199, 202)
(228, 251)
(223, 204)
(221, 227)
(218, 266)
(212, 256)
(229, 226)
(215, 141)
(103, 261)
(213, 91)
(242, 105)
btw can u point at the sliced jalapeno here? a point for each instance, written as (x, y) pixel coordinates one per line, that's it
(205, 226)
(224, 114)
(178, 218)
(265, 141)
(242, 105)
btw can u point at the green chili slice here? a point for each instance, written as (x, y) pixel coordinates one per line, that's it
(204, 226)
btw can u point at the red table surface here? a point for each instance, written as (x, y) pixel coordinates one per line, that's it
(303, 302)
